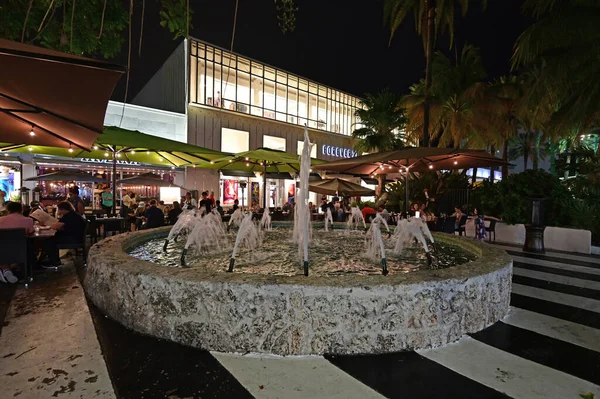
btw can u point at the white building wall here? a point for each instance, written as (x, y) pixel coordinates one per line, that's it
(165, 124)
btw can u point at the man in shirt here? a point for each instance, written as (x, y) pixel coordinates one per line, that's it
(368, 213)
(107, 200)
(206, 203)
(70, 229)
(15, 219)
(154, 216)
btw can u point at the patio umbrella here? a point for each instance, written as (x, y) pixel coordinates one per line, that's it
(128, 145)
(52, 98)
(340, 187)
(264, 160)
(146, 179)
(68, 175)
(416, 159)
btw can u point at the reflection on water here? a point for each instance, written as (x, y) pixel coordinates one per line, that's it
(330, 253)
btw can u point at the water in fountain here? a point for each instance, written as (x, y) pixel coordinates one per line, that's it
(236, 218)
(328, 219)
(208, 236)
(355, 219)
(409, 230)
(374, 242)
(265, 221)
(302, 224)
(185, 223)
(248, 236)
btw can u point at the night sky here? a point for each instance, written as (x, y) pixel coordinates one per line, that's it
(342, 44)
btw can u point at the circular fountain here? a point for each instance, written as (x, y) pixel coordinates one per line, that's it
(299, 289)
(267, 305)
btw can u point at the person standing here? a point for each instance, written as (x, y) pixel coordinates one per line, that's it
(206, 203)
(76, 201)
(212, 198)
(107, 200)
(190, 201)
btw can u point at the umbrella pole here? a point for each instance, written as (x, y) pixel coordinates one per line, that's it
(265, 187)
(406, 186)
(114, 182)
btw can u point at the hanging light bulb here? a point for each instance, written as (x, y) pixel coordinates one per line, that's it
(133, 151)
(31, 132)
(118, 155)
(246, 158)
(95, 147)
(30, 148)
(160, 159)
(230, 161)
(247, 164)
(455, 162)
(147, 152)
(106, 154)
(211, 162)
(430, 166)
(70, 148)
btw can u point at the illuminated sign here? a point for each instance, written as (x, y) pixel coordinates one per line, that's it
(109, 161)
(338, 152)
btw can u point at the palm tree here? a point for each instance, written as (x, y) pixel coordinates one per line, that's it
(564, 44)
(454, 94)
(527, 145)
(380, 122)
(431, 16)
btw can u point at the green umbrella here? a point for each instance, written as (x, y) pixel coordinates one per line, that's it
(264, 160)
(128, 145)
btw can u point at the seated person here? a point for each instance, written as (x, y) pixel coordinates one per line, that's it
(174, 213)
(385, 215)
(219, 207)
(70, 229)
(368, 213)
(206, 203)
(15, 218)
(154, 216)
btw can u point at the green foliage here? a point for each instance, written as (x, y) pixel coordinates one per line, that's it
(286, 15)
(49, 25)
(510, 198)
(175, 16)
(380, 119)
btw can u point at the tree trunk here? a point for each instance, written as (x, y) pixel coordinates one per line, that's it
(25, 23)
(430, 10)
(536, 151)
(525, 160)
(505, 159)
(492, 169)
(380, 185)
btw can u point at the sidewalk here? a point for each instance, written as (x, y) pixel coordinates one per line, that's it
(48, 344)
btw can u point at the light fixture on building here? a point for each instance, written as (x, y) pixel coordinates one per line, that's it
(246, 158)
(159, 159)
(147, 152)
(230, 161)
(31, 132)
(211, 162)
(247, 164)
(118, 155)
(455, 162)
(106, 154)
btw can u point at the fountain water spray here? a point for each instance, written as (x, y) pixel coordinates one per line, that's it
(265, 221)
(408, 230)
(328, 219)
(248, 235)
(375, 247)
(208, 235)
(185, 223)
(356, 218)
(302, 215)
(236, 218)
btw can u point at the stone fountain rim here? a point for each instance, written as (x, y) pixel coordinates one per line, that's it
(490, 259)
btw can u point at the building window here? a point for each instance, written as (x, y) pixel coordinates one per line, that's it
(313, 150)
(274, 143)
(234, 141)
(227, 80)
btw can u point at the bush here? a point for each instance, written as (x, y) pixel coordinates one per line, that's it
(510, 198)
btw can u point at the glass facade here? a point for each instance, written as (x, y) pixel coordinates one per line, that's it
(226, 80)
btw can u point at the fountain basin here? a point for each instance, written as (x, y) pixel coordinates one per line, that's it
(297, 315)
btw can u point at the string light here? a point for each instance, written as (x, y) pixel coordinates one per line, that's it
(133, 151)
(147, 152)
(455, 162)
(31, 132)
(118, 155)
(70, 148)
(106, 154)
(430, 166)
(95, 147)
(247, 164)
(30, 149)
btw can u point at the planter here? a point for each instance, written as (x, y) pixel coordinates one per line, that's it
(534, 239)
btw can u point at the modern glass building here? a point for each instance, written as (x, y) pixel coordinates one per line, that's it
(221, 79)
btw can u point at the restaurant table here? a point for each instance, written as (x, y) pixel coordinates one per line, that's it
(110, 224)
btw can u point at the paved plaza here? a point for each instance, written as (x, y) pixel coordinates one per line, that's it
(53, 343)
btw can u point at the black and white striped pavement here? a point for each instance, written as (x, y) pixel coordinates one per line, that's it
(547, 347)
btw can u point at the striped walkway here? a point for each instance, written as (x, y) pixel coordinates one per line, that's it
(547, 347)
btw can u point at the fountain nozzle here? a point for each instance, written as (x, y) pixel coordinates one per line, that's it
(231, 265)
(183, 257)
(165, 246)
(384, 269)
(306, 268)
(429, 258)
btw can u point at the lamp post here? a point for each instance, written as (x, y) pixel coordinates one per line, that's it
(243, 184)
(534, 231)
